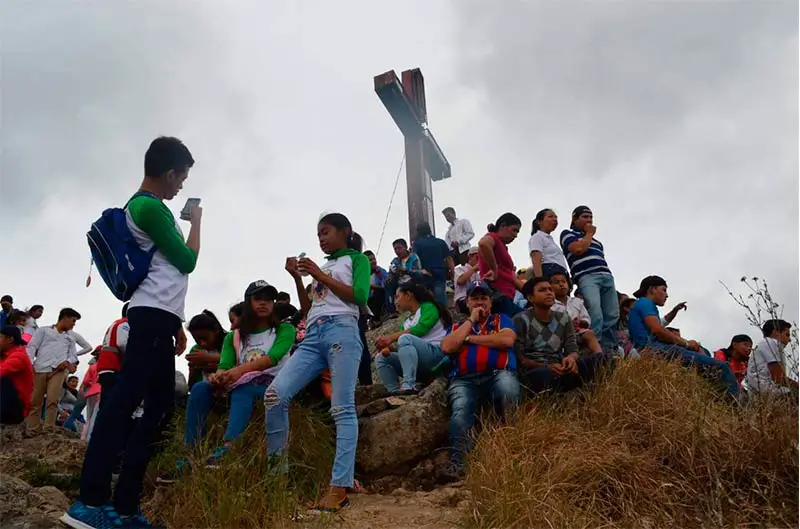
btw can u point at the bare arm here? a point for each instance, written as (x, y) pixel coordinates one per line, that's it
(580, 246)
(536, 260)
(193, 241)
(486, 249)
(451, 344)
(302, 295)
(661, 332)
(450, 266)
(778, 375)
(464, 278)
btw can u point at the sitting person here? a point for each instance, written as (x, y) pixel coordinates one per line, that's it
(623, 335)
(648, 332)
(417, 345)
(736, 355)
(405, 267)
(766, 372)
(251, 356)
(16, 376)
(546, 345)
(576, 310)
(481, 349)
(235, 314)
(208, 335)
(463, 275)
(519, 298)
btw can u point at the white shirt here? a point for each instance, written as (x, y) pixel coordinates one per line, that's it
(48, 348)
(460, 231)
(258, 345)
(545, 244)
(758, 378)
(460, 291)
(326, 303)
(434, 336)
(30, 325)
(575, 308)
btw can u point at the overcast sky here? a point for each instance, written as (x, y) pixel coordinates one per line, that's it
(675, 122)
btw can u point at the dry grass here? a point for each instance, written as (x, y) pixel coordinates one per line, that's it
(651, 446)
(245, 491)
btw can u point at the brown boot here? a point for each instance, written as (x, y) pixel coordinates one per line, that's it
(334, 500)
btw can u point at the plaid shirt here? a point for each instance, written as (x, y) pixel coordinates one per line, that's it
(545, 342)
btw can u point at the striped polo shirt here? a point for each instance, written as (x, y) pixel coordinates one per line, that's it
(474, 358)
(591, 262)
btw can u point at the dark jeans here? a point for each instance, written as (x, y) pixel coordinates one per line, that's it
(707, 366)
(365, 367)
(542, 379)
(76, 415)
(504, 305)
(377, 303)
(460, 258)
(10, 403)
(548, 269)
(148, 372)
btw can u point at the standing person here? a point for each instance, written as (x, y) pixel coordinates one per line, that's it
(417, 346)
(737, 354)
(209, 336)
(6, 306)
(436, 260)
(91, 392)
(459, 235)
(405, 267)
(52, 352)
(463, 275)
(17, 318)
(148, 368)
(109, 361)
(251, 357)
(590, 271)
(34, 313)
(332, 341)
(496, 265)
(766, 370)
(16, 377)
(546, 255)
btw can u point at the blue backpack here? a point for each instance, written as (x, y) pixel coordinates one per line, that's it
(119, 259)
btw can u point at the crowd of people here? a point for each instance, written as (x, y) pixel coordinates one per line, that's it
(507, 334)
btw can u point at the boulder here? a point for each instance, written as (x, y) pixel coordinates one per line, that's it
(396, 439)
(23, 506)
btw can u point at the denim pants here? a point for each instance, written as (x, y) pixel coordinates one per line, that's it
(148, 373)
(541, 379)
(548, 269)
(439, 289)
(466, 394)
(331, 342)
(505, 305)
(413, 354)
(600, 296)
(704, 363)
(201, 401)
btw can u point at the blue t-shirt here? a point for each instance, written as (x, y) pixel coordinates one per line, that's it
(433, 253)
(640, 334)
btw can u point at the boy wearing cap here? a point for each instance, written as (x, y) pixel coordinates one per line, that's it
(481, 351)
(16, 377)
(648, 332)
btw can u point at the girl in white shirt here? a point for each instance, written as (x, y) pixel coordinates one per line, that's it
(546, 255)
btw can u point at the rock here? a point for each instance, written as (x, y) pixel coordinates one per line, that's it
(398, 438)
(367, 394)
(23, 506)
(373, 408)
(57, 449)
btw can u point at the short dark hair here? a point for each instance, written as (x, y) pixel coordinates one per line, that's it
(448, 209)
(400, 241)
(562, 274)
(369, 252)
(424, 229)
(35, 307)
(283, 296)
(166, 154)
(530, 285)
(7, 298)
(741, 338)
(17, 317)
(770, 326)
(69, 313)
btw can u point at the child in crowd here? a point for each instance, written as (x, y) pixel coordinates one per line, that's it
(91, 391)
(463, 275)
(737, 354)
(208, 334)
(575, 309)
(235, 314)
(332, 341)
(417, 346)
(16, 377)
(251, 356)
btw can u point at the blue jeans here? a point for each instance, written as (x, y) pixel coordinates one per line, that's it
(703, 362)
(439, 288)
(413, 353)
(331, 342)
(600, 296)
(466, 393)
(201, 400)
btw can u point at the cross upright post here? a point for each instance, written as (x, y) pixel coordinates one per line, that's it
(425, 160)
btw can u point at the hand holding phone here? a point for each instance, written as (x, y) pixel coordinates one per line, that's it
(186, 212)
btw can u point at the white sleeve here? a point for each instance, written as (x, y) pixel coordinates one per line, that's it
(466, 234)
(122, 336)
(85, 346)
(583, 314)
(535, 243)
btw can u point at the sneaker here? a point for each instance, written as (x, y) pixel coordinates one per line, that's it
(82, 516)
(213, 460)
(136, 520)
(334, 501)
(182, 466)
(452, 473)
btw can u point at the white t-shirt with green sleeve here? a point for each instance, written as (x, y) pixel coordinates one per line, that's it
(351, 267)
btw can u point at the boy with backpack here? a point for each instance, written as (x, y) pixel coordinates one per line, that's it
(141, 254)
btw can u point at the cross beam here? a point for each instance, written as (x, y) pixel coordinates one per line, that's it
(425, 160)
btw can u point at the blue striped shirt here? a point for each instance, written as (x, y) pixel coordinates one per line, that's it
(593, 261)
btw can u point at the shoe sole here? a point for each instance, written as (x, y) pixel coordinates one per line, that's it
(69, 521)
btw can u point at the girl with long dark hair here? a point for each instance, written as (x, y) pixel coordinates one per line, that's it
(546, 255)
(340, 289)
(495, 263)
(417, 346)
(208, 335)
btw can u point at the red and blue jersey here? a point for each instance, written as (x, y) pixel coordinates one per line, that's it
(479, 358)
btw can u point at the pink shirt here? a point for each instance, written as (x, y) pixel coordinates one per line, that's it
(504, 283)
(91, 382)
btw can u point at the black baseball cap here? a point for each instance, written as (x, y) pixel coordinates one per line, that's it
(7, 298)
(261, 286)
(14, 333)
(580, 210)
(647, 282)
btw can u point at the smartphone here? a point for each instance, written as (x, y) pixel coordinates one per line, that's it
(302, 254)
(190, 203)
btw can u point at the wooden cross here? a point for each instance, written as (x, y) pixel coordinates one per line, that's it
(425, 161)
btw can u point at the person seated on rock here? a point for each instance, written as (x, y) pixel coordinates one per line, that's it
(736, 355)
(463, 275)
(766, 369)
(417, 346)
(648, 332)
(576, 310)
(546, 345)
(16, 376)
(235, 314)
(405, 267)
(208, 335)
(251, 357)
(481, 349)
